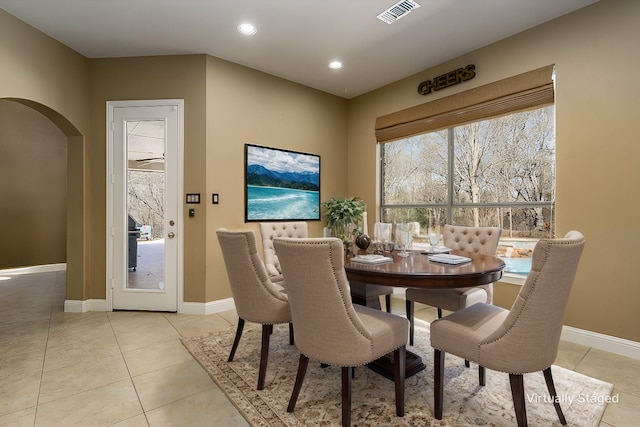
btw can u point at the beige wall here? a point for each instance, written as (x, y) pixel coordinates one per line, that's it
(226, 106)
(245, 106)
(33, 188)
(597, 105)
(162, 77)
(50, 78)
(38, 68)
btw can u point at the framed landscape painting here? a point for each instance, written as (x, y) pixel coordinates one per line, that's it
(281, 185)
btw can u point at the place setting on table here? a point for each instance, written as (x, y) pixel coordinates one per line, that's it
(383, 248)
(394, 259)
(371, 259)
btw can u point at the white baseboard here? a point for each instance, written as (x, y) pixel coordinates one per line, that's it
(46, 268)
(75, 306)
(620, 346)
(615, 345)
(210, 307)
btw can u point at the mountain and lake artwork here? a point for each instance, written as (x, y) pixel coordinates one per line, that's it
(281, 185)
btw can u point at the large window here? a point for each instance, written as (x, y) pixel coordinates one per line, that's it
(482, 157)
(494, 172)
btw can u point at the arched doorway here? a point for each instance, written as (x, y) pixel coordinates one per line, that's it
(75, 222)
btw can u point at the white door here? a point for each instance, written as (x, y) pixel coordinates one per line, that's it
(144, 215)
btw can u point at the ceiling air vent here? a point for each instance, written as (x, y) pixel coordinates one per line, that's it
(397, 11)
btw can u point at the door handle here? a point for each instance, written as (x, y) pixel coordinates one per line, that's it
(171, 234)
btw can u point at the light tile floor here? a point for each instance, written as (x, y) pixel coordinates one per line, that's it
(130, 369)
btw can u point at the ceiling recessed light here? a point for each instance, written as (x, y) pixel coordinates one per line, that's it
(336, 65)
(247, 29)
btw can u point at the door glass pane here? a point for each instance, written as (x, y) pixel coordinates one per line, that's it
(145, 204)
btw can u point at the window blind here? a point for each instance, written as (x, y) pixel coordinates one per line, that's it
(520, 92)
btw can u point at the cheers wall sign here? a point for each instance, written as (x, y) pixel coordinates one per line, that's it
(448, 79)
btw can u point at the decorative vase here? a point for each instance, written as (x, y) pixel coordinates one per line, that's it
(363, 241)
(342, 232)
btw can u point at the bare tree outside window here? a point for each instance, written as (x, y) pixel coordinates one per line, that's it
(146, 199)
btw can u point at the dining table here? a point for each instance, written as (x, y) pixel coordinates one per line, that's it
(416, 270)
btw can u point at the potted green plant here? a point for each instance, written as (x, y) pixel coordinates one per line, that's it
(343, 216)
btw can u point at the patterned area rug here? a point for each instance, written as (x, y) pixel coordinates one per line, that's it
(373, 404)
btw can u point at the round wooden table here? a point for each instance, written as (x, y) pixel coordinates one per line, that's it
(417, 271)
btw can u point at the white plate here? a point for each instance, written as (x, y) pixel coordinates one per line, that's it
(449, 259)
(371, 259)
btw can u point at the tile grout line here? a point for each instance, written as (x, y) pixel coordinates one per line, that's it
(115, 335)
(46, 344)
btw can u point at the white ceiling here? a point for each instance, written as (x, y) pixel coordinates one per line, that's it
(296, 39)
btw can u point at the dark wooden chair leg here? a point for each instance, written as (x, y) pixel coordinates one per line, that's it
(517, 393)
(552, 392)
(302, 370)
(438, 382)
(466, 363)
(409, 309)
(291, 339)
(347, 373)
(482, 375)
(399, 374)
(267, 330)
(236, 340)
(387, 302)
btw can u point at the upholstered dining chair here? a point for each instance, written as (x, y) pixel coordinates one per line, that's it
(272, 230)
(521, 340)
(328, 327)
(482, 240)
(256, 298)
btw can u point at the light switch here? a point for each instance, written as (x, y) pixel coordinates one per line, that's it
(193, 198)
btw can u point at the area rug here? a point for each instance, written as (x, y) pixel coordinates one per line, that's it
(373, 404)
